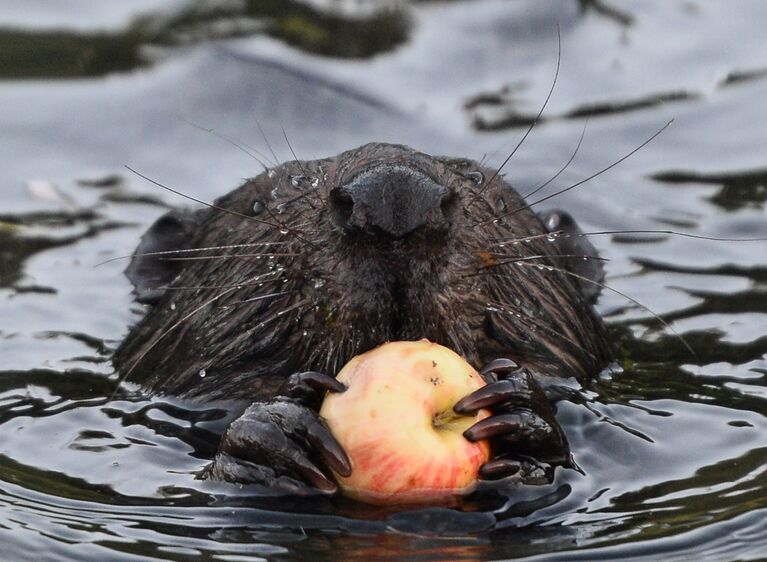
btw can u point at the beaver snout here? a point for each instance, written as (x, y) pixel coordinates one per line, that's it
(391, 200)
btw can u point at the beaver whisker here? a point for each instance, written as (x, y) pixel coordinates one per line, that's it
(617, 292)
(328, 355)
(283, 229)
(581, 182)
(280, 313)
(190, 250)
(513, 259)
(228, 256)
(293, 152)
(262, 297)
(242, 146)
(564, 167)
(494, 306)
(266, 140)
(245, 148)
(281, 226)
(502, 242)
(481, 192)
(184, 195)
(558, 233)
(235, 285)
(672, 232)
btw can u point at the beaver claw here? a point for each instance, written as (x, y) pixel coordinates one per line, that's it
(308, 388)
(524, 470)
(280, 443)
(522, 425)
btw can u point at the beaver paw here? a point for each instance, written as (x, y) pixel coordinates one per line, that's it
(280, 443)
(523, 430)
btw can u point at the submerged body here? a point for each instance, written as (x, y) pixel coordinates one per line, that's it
(312, 263)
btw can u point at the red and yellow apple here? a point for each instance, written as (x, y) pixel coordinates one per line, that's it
(396, 422)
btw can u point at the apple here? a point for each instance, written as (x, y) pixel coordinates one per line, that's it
(396, 422)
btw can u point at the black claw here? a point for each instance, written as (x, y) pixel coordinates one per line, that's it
(498, 365)
(499, 468)
(314, 475)
(331, 451)
(490, 395)
(490, 427)
(321, 381)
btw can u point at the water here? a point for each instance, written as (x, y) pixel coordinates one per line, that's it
(673, 448)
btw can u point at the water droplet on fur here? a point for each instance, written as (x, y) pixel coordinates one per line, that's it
(258, 208)
(500, 204)
(495, 221)
(551, 237)
(202, 373)
(319, 283)
(550, 268)
(284, 231)
(173, 306)
(501, 245)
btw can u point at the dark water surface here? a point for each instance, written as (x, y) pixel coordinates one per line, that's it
(673, 447)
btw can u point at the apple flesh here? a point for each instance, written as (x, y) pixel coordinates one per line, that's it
(396, 422)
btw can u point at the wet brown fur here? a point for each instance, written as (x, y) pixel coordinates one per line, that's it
(346, 294)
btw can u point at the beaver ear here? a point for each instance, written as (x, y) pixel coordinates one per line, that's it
(571, 242)
(151, 273)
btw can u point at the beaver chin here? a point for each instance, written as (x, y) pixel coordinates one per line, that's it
(405, 310)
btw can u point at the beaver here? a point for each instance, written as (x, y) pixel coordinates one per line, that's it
(266, 293)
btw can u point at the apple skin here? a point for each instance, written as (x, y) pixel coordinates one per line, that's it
(396, 422)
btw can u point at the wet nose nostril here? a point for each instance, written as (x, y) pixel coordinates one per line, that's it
(342, 207)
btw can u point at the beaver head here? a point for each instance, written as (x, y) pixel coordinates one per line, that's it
(313, 262)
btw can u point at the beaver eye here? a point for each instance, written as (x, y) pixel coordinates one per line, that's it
(258, 208)
(476, 177)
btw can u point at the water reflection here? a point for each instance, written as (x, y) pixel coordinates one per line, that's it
(360, 33)
(672, 447)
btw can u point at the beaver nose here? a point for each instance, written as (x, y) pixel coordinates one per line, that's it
(392, 199)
